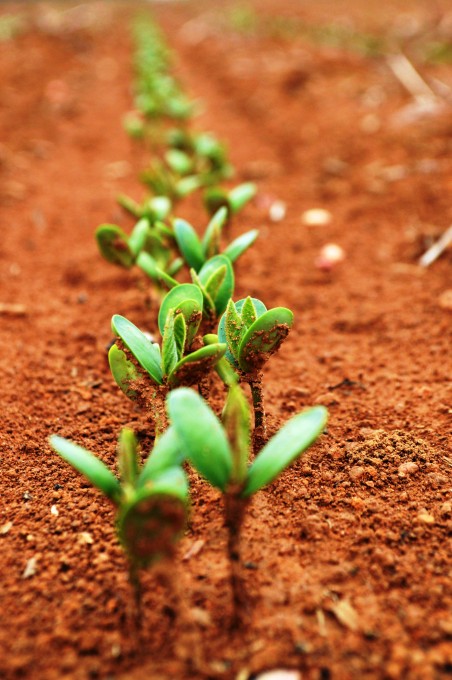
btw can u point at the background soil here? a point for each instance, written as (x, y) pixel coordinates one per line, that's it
(347, 558)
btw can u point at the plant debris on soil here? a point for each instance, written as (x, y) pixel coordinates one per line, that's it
(347, 556)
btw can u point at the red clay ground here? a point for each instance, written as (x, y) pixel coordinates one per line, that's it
(347, 558)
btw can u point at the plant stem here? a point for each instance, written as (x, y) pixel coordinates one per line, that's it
(156, 406)
(135, 582)
(260, 429)
(234, 512)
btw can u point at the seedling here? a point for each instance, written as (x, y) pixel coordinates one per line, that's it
(151, 503)
(148, 247)
(234, 200)
(171, 365)
(165, 180)
(196, 251)
(220, 452)
(216, 282)
(252, 334)
(200, 153)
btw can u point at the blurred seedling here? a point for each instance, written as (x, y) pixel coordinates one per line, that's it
(220, 452)
(198, 153)
(196, 251)
(148, 247)
(170, 180)
(253, 334)
(234, 200)
(151, 501)
(150, 371)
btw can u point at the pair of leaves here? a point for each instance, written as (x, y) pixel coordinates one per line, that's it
(253, 333)
(216, 281)
(234, 200)
(220, 453)
(196, 251)
(151, 503)
(119, 248)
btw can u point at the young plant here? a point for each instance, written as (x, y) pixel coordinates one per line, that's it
(216, 282)
(151, 502)
(252, 334)
(196, 251)
(201, 152)
(220, 452)
(171, 365)
(234, 200)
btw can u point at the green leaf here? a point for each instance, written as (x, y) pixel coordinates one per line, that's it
(226, 289)
(123, 371)
(130, 205)
(113, 245)
(187, 185)
(208, 303)
(215, 282)
(240, 244)
(211, 238)
(260, 309)
(175, 266)
(234, 329)
(194, 366)
(128, 457)
(153, 520)
(201, 435)
(239, 196)
(157, 208)
(169, 345)
(223, 366)
(187, 299)
(89, 465)
(264, 338)
(249, 314)
(180, 334)
(142, 349)
(189, 244)
(138, 236)
(236, 421)
(294, 438)
(167, 452)
(215, 198)
(179, 161)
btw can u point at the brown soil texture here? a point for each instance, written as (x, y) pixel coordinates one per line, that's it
(347, 556)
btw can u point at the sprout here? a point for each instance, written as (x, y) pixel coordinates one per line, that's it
(151, 502)
(252, 334)
(234, 200)
(171, 365)
(220, 452)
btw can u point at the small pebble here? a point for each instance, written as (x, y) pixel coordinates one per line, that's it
(316, 217)
(277, 211)
(330, 256)
(280, 674)
(445, 299)
(426, 518)
(407, 468)
(5, 528)
(30, 568)
(54, 511)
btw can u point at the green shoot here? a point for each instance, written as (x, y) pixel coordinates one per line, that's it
(221, 451)
(151, 370)
(234, 200)
(151, 501)
(252, 334)
(196, 251)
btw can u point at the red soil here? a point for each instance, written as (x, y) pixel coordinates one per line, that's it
(346, 557)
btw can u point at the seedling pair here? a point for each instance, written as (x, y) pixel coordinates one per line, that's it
(151, 503)
(221, 451)
(199, 153)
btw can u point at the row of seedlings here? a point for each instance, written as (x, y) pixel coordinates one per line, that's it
(202, 330)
